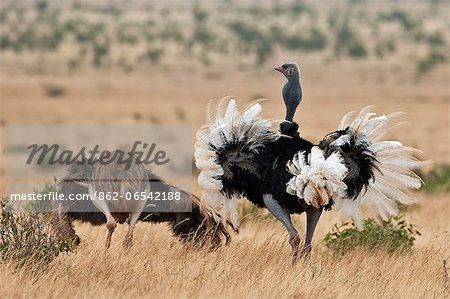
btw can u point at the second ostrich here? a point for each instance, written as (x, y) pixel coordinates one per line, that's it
(197, 226)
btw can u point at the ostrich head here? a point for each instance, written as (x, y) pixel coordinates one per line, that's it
(199, 227)
(289, 69)
(292, 90)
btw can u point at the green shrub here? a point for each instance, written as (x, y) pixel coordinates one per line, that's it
(298, 7)
(41, 206)
(394, 235)
(355, 2)
(407, 22)
(171, 32)
(257, 11)
(384, 47)
(203, 36)
(41, 6)
(438, 180)
(200, 15)
(100, 51)
(245, 32)
(5, 42)
(127, 34)
(154, 55)
(277, 34)
(250, 38)
(86, 32)
(357, 49)
(27, 239)
(315, 41)
(436, 39)
(432, 60)
(347, 42)
(344, 36)
(264, 49)
(333, 18)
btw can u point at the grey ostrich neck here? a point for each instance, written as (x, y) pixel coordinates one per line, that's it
(292, 95)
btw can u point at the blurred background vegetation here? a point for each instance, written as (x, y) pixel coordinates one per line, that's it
(70, 36)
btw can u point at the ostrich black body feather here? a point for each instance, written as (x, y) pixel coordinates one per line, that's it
(358, 158)
(270, 175)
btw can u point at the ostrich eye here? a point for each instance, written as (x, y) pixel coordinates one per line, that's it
(290, 71)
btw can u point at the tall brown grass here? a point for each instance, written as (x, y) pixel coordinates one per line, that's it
(255, 264)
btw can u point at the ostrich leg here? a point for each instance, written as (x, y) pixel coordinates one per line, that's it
(284, 217)
(102, 205)
(312, 217)
(111, 225)
(128, 241)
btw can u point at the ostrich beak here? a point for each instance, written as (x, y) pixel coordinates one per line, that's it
(280, 69)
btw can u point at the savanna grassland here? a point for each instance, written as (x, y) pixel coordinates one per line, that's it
(112, 62)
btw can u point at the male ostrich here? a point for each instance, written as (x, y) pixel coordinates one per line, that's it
(240, 156)
(197, 226)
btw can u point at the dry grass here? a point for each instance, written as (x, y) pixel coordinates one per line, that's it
(255, 264)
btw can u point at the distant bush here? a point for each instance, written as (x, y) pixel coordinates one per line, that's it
(200, 15)
(100, 51)
(171, 32)
(258, 11)
(203, 36)
(5, 42)
(154, 55)
(264, 49)
(180, 114)
(127, 34)
(53, 90)
(357, 49)
(87, 32)
(277, 34)
(73, 64)
(292, 9)
(401, 17)
(297, 7)
(438, 180)
(333, 18)
(250, 38)
(315, 41)
(432, 60)
(436, 39)
(137, 116)
(27, 239)
(355, 2)
(245, 32)
(394, 235)
(31, 37)
(347, 42)
(41, 5)
(41, 206)
(384, 47)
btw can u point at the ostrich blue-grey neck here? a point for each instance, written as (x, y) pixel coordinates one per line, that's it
(292, 96)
